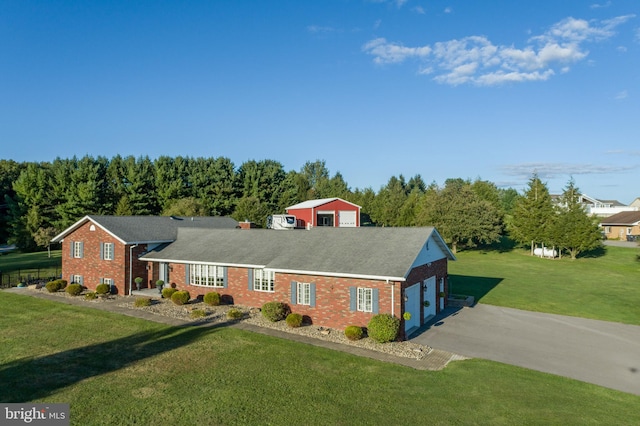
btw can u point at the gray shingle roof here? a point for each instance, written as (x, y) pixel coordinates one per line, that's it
(372, 252)
(145, 229)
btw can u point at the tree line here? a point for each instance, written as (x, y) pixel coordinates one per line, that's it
(42, 199)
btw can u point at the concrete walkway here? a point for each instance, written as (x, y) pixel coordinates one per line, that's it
(599, 352)
(434, 360)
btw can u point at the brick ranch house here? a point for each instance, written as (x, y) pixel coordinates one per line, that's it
(106, 249)
(336, 277)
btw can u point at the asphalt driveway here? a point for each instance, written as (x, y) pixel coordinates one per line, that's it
(599, 352)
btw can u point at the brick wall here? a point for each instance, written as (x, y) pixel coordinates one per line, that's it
(332, 307)
(91, 267)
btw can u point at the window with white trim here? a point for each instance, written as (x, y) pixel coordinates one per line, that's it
(107, 251)
(629, 230)
(206, 275)
(263, 280)
(77, 249)
(108, 281)
(76, 279)
(365, 300)
(303, 294)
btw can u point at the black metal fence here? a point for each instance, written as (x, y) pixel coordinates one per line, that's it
(28, 276)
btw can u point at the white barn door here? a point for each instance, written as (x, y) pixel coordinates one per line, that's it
(347, 219)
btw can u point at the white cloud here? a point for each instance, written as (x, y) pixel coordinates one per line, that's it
(554, 170)
(448, 10)
(419, 10)
(622, 95)
(600, 6)
(476, 60)
(319, 29)
(387, 53)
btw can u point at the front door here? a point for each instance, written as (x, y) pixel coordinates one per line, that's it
(163, 273)
(429, 297)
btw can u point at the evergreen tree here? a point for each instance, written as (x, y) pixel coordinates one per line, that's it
(212, 181)
(533, 215)
(9, 173)
(389, 202)
(172, 175)
(251, 209)
(185, 207)
(140, 186)
(460, 215)
(574, 230)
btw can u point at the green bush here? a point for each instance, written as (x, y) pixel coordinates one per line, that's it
(142, 301)
(63, 283)
(198, 313)
(167, 293)
(353, 332)
(235, 314)
(181, 297)
(212, 298)
(294, 320)
(90, 296)
(53, 286)
(74, 289)
(383, 328)
(103, 289)
(274, 311)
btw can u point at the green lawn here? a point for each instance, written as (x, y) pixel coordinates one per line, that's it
(605, 287)
(121, 370)
(37, 264)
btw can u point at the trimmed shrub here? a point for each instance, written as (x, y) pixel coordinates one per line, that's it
(235, 314)
(63, 283)
(91, 295)
(294, 320)
(74, 289)
(383, 328)
(274, 311)
(212, 298)
(353, 332)
(103, 289)
(181, 297)
(142, 301)
(53, 286)
(198, 313)
(167, 293)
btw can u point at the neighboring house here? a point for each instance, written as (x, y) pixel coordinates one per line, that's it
(335, 277)
(105, 249)
(334, 212)
(622, 226)
(596, 207)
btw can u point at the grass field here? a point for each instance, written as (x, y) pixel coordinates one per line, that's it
(605, 287)
(24, 265)
(120, 370)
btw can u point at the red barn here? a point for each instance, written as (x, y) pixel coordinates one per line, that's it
(334, 212)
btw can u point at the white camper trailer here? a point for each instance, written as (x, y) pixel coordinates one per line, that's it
(281, 221)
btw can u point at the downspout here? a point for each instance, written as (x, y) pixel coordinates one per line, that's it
(393, 298)
(131, 266)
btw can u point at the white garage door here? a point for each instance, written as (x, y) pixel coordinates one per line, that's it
(347, 219)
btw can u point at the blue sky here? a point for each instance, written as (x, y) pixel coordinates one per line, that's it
(494, 90)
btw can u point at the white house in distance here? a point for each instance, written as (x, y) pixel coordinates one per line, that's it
(603, 208)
